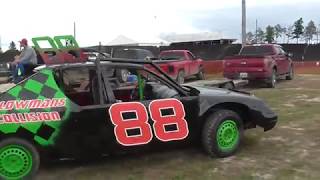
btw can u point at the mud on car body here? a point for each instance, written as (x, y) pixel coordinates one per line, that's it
(81, 110)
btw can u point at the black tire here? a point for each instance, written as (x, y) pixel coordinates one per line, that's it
(180, 77)
(201, 74)
(22, 147)
(271, 83)
(290, 75)
(122, 75)
(211, 130)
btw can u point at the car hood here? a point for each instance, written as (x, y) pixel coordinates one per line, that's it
(209, 97)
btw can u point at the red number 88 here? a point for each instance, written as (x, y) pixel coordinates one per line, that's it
(117, 110)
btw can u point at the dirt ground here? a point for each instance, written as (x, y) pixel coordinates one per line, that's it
(290, 151)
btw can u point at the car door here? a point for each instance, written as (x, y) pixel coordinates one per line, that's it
(152, 117)
(286, 61)
(194, 65)
(87, 133)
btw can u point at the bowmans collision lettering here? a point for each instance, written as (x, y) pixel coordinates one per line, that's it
(32, 104)
(30, 117)
(9, 118)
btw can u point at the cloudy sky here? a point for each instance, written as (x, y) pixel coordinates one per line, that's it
(103, 20)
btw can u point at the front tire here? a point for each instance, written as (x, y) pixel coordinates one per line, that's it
(222, 133)
(19, 159)
(180, 77)
(290, 74)
(201, 74)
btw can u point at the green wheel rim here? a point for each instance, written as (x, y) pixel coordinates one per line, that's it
(15, 162)
(227, 135)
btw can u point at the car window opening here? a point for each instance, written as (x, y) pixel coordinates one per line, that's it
(140, 85)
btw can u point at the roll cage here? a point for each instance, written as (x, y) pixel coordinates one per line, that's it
(146, 65)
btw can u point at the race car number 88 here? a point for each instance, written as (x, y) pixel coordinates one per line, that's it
(164, 113)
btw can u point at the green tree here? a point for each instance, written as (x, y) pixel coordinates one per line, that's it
(12, 46)
(288, 33)
(310, 31)
(250, 38)
(270, 34)
(260, 36)
(278, 31)
(298, 29)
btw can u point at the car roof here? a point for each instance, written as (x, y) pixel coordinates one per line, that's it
(126, 64)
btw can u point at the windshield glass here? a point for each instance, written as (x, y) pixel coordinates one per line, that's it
(256, 50)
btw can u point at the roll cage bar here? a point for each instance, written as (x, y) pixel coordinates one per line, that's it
(152, 63)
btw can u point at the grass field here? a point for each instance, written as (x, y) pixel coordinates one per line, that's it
(290, 151)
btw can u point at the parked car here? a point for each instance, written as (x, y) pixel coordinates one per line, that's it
(130, 53)
(181, 64)
(93, 54)
(260, 62)
(81, 110)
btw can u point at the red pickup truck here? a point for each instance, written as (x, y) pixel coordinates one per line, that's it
(265, 62)
(180, 64)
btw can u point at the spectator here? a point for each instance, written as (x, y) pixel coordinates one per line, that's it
(24, 62)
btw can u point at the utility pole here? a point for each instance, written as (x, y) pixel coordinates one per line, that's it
(244, 22)
(256, 40)
(74, 30)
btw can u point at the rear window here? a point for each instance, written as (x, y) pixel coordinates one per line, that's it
(256, 50)
(171, 56)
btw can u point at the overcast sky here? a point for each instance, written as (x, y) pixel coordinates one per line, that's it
(103, 20)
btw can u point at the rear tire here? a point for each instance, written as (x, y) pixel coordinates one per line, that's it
(19, 159)
(222, 133)
(290, 74)
(272, 79)
(201, 75)
(180, 77)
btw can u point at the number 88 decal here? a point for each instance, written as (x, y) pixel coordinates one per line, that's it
(167, 114)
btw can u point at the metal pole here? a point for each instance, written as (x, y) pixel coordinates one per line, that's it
(244, 23)
(74, 30)
(256, 31)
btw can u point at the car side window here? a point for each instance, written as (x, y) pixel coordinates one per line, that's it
(191, 57)
(80, 84)
(282, 52)
(140, 85)
(277, 51)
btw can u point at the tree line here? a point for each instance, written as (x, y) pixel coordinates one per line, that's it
(281, 34)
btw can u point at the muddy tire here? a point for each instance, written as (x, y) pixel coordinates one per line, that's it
(180, 77)
(290, 74)
(201, 74)
(271, 83)
(19, 159)
(222, 133)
